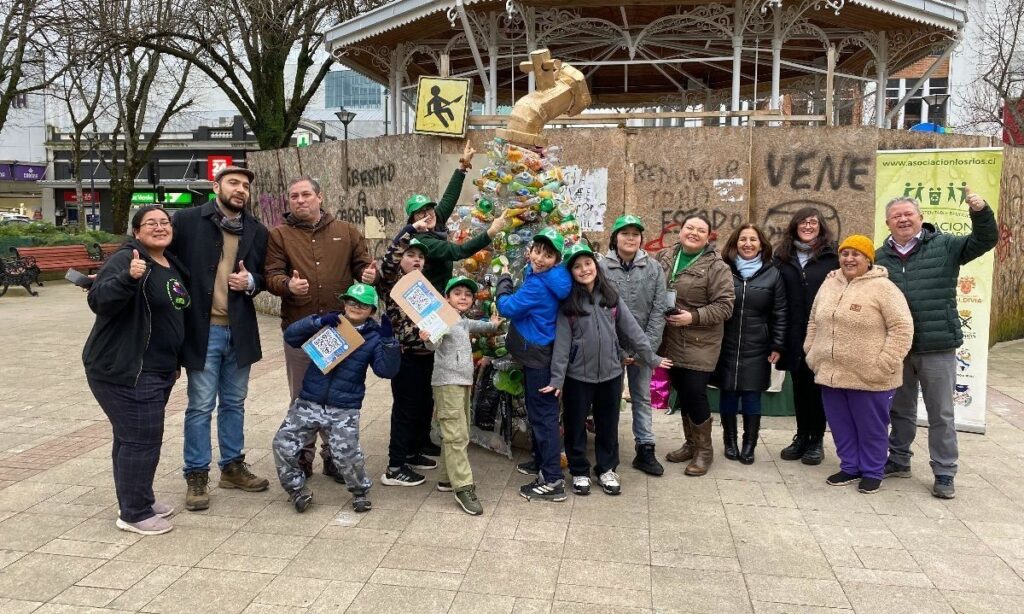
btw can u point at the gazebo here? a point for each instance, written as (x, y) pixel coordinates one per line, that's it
(674, 57)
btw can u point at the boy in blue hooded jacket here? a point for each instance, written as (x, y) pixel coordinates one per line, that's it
(533, 311)
(331, 402)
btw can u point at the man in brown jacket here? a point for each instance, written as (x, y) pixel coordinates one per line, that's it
(312, 259)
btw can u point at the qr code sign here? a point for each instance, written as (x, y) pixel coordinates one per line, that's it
(419, 298)
(329, 343)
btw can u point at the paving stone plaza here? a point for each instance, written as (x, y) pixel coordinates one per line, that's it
(770, 537)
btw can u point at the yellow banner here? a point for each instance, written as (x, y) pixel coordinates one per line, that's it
(939, 179)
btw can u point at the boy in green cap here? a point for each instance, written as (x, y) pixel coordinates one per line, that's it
(452, 382)
(331, 403)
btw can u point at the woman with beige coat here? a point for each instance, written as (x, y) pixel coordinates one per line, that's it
(859, 331)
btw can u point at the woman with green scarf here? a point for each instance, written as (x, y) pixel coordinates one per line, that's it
(700, 300)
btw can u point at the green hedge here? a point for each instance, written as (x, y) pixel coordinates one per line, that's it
(40, 234)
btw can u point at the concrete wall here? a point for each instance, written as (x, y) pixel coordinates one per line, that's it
(661, 174)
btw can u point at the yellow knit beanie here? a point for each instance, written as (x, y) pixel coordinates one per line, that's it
(860, 243)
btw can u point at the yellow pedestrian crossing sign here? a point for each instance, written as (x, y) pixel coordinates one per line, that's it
(442, 106)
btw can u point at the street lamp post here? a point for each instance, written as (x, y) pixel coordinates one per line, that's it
(345, 117)
(935, 101)
(94, 139)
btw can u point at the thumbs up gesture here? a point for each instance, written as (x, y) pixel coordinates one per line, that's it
(975, 202)
(297, 285)
(369, 275)
(239, 281)
(137, 267)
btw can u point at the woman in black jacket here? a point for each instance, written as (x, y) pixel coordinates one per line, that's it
(755, 337)
(804, 256)
(132, 359)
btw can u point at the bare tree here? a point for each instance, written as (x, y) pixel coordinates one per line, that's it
(994, 100)
(244, 47)
(25, 40)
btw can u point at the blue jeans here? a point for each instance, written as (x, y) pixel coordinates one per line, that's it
(542, 411)
(220, 378)
(729, 402)
(639, 377)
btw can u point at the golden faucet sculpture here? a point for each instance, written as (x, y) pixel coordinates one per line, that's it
(560, 89)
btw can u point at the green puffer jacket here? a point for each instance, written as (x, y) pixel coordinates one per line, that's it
(928, 278)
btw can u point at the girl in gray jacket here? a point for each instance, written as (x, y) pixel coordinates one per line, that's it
(594, 325)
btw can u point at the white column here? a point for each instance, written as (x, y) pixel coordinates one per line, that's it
(531, 43)
(737, 56)
(881, 61)
(926, 89)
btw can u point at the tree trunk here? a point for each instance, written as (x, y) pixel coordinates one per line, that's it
(121, 190)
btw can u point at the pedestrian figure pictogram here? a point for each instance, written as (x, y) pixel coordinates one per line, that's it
(442, 106)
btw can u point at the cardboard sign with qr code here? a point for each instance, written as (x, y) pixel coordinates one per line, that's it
(424, 305)
(329, 346)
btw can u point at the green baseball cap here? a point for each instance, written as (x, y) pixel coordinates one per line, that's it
(418, 245)
(417, 202)
(627, 220)
(363, 293)
(460, 280)
(574, 252)
(553, 237)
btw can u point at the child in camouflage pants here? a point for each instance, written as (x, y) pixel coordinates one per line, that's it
(331, 402)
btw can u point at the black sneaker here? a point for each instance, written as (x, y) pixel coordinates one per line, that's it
(869, 486)
(841, 479)
(895, 470)
(431, 449)
(544, 491)
(419, 461)
(530, 467)
(403, 476)
(444, 487)
(943, 487)
(302, 499)
(360, 504)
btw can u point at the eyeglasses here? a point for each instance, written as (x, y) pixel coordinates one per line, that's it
(154, 223)
(809, 223)
(349, 302)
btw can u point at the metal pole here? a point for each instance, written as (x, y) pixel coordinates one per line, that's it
(737, 59)
(881, 121)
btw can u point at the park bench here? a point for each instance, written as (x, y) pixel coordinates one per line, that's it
(36, 260)
(105, 250)
(16, 271)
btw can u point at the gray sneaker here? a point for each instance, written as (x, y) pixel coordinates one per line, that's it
(154, 525)
(943, 487)
(468, 501)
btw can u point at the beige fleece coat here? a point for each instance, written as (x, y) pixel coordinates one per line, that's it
(859, 332)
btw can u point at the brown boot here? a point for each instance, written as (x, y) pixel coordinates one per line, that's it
(684, 453)
(197, 497)
(237, 475)
(703, 452)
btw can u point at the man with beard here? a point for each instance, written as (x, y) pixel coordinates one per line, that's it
(312, 259)
(224, 247)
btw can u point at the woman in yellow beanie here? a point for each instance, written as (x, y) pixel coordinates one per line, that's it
(858, 334)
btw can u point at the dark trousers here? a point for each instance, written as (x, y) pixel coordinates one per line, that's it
(412, 407)
(542, 412)
(729, 402)
(578, 398)
(810, 413)
(691, 393)
(137, 417)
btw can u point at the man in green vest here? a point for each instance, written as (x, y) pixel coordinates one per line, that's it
(925, 264)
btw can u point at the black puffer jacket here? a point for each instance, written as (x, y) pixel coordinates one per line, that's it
(802, 285)
(756, 328)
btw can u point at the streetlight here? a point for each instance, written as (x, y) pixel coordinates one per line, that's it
(345, 117)
(93, 138)
(935, 101)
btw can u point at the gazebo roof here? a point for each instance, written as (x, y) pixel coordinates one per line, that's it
(652, 52)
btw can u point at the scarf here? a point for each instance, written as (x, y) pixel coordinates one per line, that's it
(747, 268)
(804, 251)
(231, 225)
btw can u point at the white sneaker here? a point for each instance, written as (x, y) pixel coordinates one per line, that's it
(609, 481)
(581, 485)
(154, 525)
